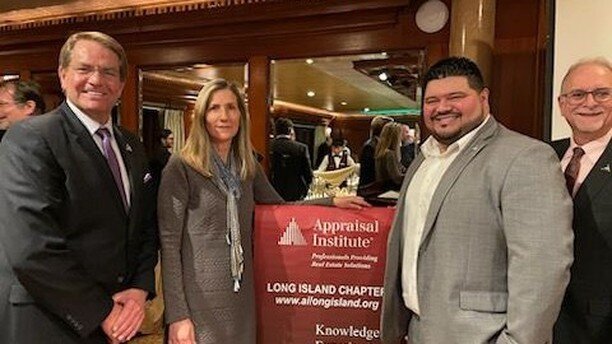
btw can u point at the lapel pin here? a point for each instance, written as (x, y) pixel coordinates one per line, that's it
(606, 168)
(128, 148)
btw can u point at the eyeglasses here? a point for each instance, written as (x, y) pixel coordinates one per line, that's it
(600, 95)
(88, 71)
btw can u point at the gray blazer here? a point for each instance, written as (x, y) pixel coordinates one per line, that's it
(197, 282)
(496, 249)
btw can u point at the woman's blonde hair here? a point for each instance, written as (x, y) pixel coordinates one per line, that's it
(390, 139)
(198, 148)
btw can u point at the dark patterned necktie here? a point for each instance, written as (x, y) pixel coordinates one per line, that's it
(572, 169)
(113, 163)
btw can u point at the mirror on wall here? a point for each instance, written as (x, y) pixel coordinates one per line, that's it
(344, 92)
(169, 95)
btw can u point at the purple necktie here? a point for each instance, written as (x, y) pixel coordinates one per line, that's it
(113, 163)
(572, 169)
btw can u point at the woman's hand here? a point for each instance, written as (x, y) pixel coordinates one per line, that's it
(181, 332)
(350, 202)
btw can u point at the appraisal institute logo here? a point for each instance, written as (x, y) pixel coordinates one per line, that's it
(292, 236)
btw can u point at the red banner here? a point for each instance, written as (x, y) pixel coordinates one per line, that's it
(319, 273)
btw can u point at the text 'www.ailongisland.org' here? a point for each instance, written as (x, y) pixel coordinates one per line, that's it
(326, 302)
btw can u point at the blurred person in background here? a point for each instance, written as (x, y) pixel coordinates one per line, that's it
(291, 174)
(338, 158)
(367, 172)
(408, 145)
(389, 170)
(19, 100)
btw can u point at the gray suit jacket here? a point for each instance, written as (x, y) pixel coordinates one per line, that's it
(496, 248)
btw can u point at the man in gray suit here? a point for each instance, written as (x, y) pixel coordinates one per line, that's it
(481, 245)
(586, 105)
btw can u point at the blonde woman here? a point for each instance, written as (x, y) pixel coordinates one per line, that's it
(206, 202)
(387, 157)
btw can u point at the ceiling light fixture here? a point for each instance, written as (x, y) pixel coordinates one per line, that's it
(310, 94)
(309, 61)
(366, 109)
(343, 103)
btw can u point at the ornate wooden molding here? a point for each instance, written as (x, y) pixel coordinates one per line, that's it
(84, 11)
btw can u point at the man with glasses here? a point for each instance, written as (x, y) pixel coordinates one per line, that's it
(18, 101)
(77, 211)
(586, 158)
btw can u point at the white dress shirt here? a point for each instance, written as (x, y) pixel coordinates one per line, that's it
(416, 205)
(92, 126)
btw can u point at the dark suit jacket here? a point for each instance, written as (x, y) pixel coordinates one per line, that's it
(291, 173)
(322, 151)
(367, 169)
(157, 164)
(407, 151)
(69, 242)
(586, 313)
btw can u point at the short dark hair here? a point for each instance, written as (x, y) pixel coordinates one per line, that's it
(455, 66)
(283, 126)
(338, 142)
(165, 133)
(24, 91)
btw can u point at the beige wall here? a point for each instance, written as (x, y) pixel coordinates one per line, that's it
(582, 29)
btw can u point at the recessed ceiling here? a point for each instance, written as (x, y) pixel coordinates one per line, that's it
(333, 83)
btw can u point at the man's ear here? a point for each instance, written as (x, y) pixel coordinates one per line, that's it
(30, 105)
(484, 100)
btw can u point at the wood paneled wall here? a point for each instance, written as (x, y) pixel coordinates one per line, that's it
(517, 89)
(298, 29)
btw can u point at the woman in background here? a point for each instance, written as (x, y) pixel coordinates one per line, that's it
(206, 202)
(387, 155)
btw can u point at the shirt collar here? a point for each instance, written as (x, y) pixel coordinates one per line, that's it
(431, 146)
(91, 125)
(592, 146)
(283, 137)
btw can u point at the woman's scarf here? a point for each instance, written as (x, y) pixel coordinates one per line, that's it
(229, 182)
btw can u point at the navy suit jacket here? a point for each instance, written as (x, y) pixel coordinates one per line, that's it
(586, 313)
(67, 244)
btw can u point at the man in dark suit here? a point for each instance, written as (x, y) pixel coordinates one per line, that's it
(586, 158)
(367, 169)
(291, 173)
(324, 148)
(161, 155)
(19, 100)
(77, 236)
(408, 143)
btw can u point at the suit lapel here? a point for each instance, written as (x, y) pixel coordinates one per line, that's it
(81, 135)
(454, 171)
(126, 151)
(597, 178)
(561, 147)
